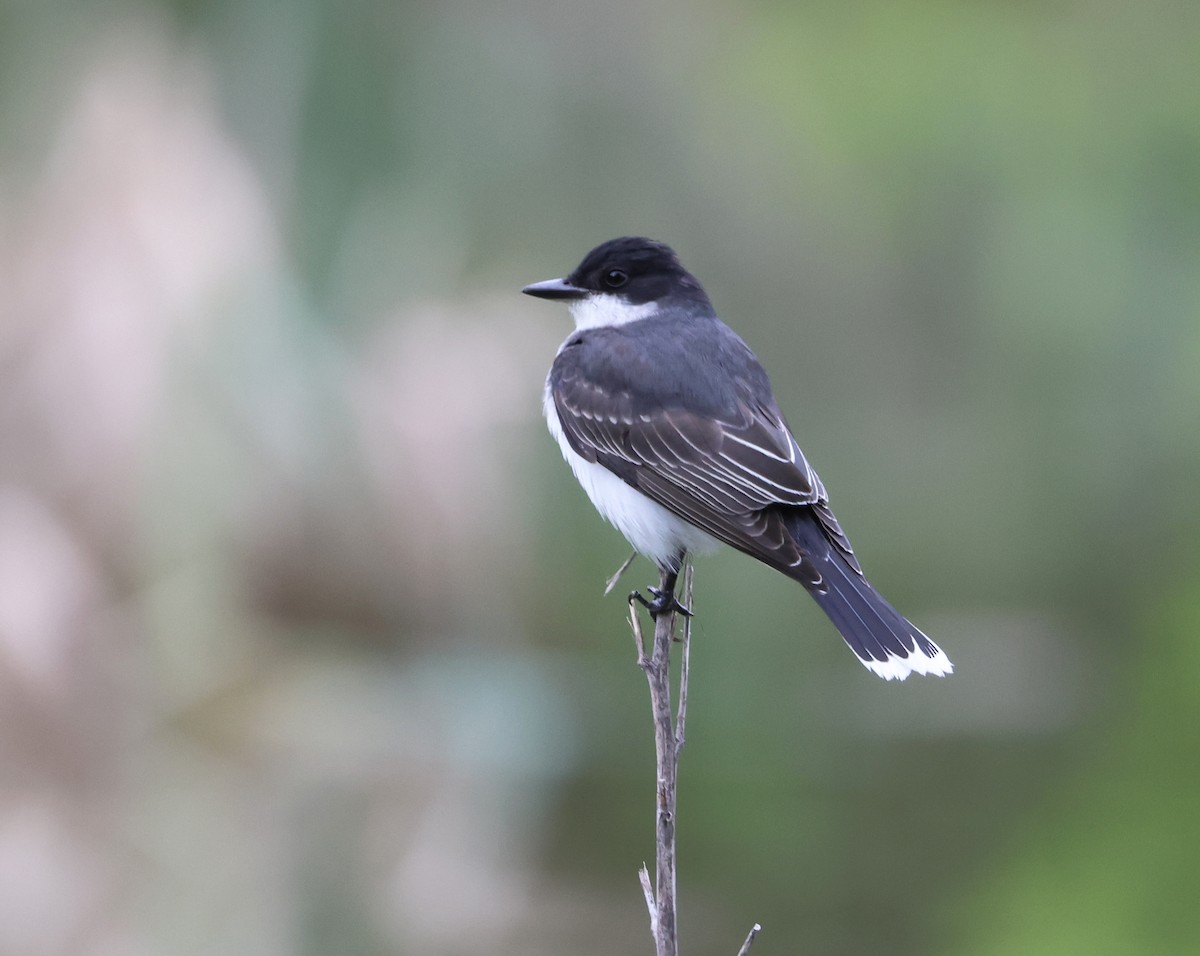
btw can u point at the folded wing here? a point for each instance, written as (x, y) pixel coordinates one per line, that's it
(737, 474)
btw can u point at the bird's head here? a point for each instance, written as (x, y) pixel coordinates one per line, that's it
(621, 281)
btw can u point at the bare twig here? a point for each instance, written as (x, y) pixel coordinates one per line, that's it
(685, 666)
(669, 738)
(648, 892)
(657, 667)
(612, 582)
(754, 931)
(639, 642)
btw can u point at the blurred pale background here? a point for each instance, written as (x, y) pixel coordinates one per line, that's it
(302, 642)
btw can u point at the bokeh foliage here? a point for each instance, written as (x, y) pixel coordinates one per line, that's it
(302, 646)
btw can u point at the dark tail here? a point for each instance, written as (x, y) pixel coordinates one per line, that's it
(879, 634)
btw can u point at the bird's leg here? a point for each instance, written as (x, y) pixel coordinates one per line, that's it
(664, 600)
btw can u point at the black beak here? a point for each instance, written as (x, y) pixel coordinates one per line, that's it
(555, 289)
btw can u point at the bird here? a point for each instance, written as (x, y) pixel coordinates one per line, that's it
(669, 422)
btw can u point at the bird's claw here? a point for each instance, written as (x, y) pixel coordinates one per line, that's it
(664, 602)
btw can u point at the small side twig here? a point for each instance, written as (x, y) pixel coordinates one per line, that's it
(648, 892)
(684, 666)
(754, 931)
(616, 576)
(639, 642)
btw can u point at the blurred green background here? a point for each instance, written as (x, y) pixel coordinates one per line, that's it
(302, 642)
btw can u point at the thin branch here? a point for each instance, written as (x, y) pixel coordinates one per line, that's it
(657, 667)
(669, 738)
(658, 675)
(635, 625)
(612, 582)
(648, 892)
(684, 667)
(754, 931)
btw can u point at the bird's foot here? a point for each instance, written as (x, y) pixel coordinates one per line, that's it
(663, 602)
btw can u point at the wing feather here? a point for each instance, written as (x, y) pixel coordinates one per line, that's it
(733, 474)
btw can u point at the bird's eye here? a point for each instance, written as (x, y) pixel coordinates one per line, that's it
(615, 278)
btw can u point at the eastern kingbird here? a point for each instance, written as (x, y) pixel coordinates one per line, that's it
(669, 423)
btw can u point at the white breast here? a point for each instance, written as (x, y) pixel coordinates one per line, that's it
(650, 528)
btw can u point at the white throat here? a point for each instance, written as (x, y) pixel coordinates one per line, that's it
(600, 309)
